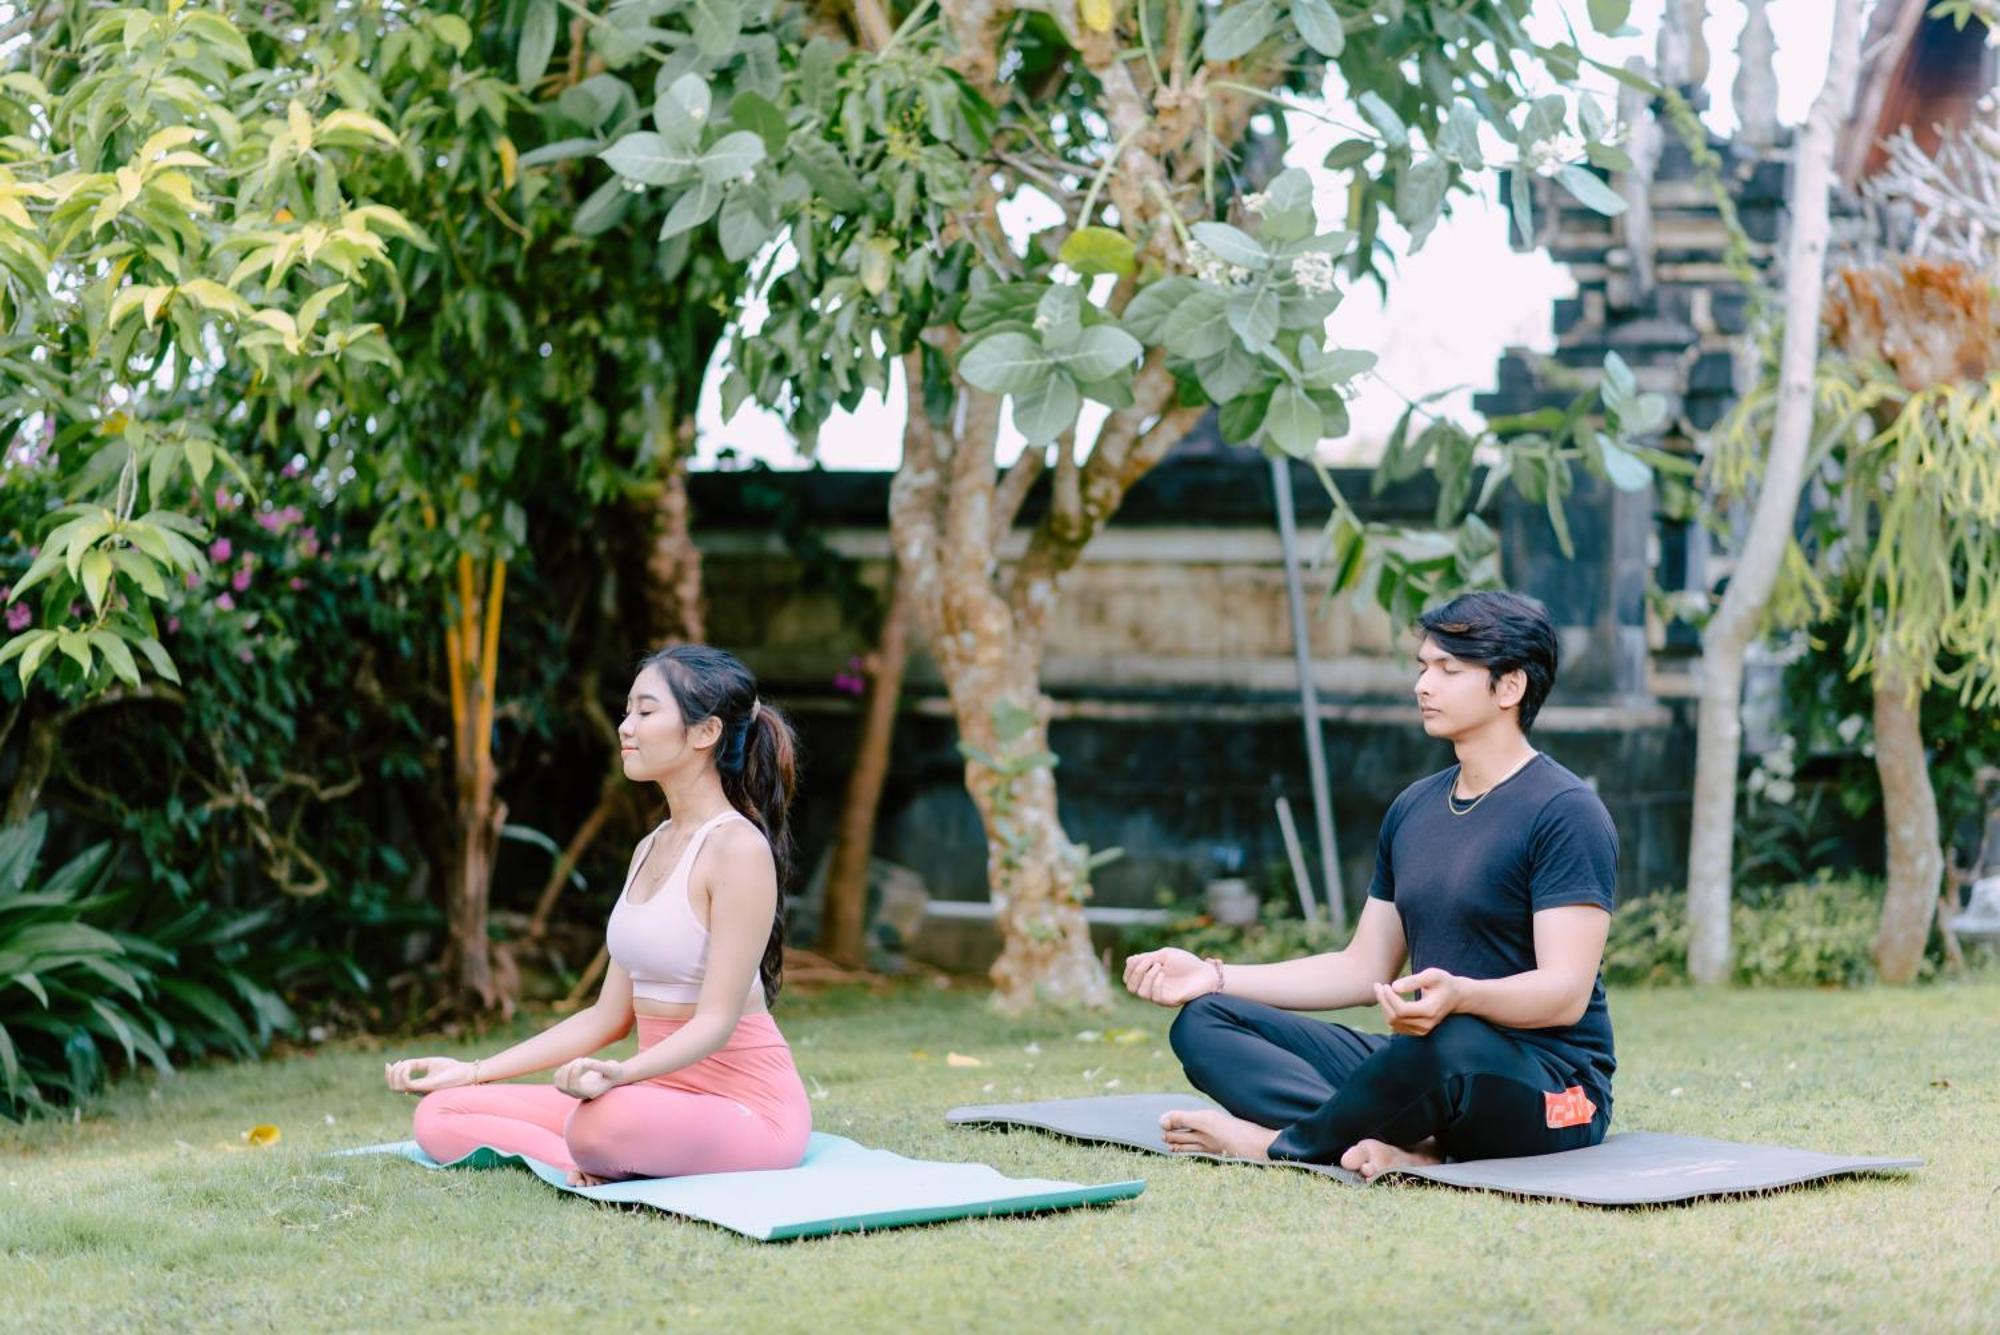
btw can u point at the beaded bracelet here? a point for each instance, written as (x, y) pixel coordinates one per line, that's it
(1216, 960)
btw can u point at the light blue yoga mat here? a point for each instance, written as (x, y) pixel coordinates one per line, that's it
(841, 1187)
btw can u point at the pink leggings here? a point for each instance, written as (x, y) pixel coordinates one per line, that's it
(738, 1109)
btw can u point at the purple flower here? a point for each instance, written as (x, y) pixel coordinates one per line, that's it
(297, 584)
(240, 581)
(220, 549)
(225, 602)
(849, 684)
(173, 625)
(269, 522)
(292, 469)
(190, 579)
(223, 500)
(246, 656)
(18, 617)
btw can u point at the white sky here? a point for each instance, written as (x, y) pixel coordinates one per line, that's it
(1453, 307)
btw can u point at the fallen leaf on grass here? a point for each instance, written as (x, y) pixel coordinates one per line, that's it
(960, 1059)
(263, 1135)
(1128, 1036)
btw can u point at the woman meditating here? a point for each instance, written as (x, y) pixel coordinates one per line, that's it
(1494, 879)
(696, 943)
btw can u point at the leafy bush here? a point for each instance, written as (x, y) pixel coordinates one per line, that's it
(82, 966)
(1807, 934)
(1273, 937)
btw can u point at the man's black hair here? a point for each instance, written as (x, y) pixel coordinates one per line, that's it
(1502, 632)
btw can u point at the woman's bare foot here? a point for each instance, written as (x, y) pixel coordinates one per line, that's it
(579, 1178)
(1212, 1131)
(1371, 1158)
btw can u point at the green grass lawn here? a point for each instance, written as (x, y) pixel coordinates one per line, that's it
(151, 1213)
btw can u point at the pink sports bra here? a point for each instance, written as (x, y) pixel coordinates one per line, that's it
(660, 943)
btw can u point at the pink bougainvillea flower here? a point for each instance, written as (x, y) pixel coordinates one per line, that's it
(225, 602)
(220, 550)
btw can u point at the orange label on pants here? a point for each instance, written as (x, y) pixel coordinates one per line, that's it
(1572, 1107)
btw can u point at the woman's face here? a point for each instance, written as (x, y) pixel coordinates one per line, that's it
(653, 742)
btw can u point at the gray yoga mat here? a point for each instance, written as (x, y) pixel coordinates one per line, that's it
(1629, 1168)
(841, 1187)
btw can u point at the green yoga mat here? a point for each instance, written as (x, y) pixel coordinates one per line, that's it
(841, 1187)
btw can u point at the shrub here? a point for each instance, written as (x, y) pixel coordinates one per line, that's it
(82, 967)
(1807, 934)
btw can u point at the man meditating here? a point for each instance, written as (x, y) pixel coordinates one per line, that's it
(1494, 880)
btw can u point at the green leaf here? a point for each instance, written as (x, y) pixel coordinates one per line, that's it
(561, 150)
(691, 210)
(603, 208)
(651, 159)
(1005, 363)
(1623, 469)
(1098, 250)
(1320, 27)
(1243, 416)
(538, 43)
(1590, 190)
(684, 107)
(117, 653)
(1231, 245)
(758, 114)
(1059, 317)
(735, 154)
(1253, 314)
(1198, 326)
(1384, 118)
(1149, 308)
(1046, 410)
(1349, 153)
(1608, 16)
(1420, 190)
(454, 32)
(1100, 352)
(1459, 140)
(1293, 422)
(1520, 194)
(96, 568)
(1238, 29)
(717, 24)
(740, 228)
(156, 654)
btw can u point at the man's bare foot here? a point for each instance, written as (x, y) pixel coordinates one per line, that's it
(579, 1178)
(1212, 1131)
(1371, 1158)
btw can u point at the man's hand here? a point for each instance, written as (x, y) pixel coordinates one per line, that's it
(1442, 993)
(589, 1077)
(1169, 977)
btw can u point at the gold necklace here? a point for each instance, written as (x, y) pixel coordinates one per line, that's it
(1451, 800)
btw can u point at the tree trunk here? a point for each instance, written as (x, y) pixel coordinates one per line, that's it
(38, 757)
(948, 515)
(673, 566)
(1738, 620)
(846, 906)
(1909, 809)
(472, 653)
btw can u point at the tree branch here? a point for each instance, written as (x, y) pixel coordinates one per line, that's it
(873, 23)
(1016, 485)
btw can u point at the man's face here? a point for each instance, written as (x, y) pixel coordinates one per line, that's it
(1459, 698)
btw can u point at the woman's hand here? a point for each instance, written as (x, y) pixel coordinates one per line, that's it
(421, 1075)
(588, 1077)
(1169, 977)
(1442, 993)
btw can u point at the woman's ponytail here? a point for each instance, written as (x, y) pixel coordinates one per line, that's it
(761, 788)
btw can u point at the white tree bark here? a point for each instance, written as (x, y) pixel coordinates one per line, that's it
(1741, 615)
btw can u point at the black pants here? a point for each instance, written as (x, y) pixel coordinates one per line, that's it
(1482, 1093)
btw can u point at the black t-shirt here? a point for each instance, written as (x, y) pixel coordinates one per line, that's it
(1467, 887)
